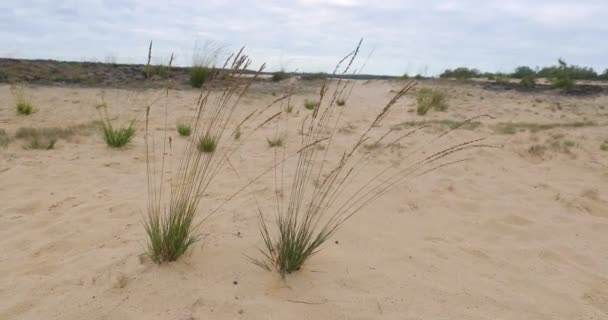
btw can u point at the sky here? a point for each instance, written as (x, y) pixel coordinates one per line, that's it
(407, 36)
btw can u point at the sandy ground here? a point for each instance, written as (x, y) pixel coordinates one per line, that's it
(511, 234)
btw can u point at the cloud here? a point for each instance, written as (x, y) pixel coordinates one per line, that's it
(312, 35)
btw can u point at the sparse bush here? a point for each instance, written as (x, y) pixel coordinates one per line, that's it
(115, 137)
(199, 75)
(184, 129)
(528, 81)
(280, 76)
(523, 72)
(405, 76)
(277, 141)
(428, 99)
(502, 79)
(310, 104)
(562, 82)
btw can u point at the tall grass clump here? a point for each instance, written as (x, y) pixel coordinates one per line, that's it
(171, 223)
(22, 105)
(326, 187)
(46, 138)
(276, 141)
(427, 99)
(116, 136)
(204, 58)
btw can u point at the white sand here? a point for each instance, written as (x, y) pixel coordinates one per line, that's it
(508, 235)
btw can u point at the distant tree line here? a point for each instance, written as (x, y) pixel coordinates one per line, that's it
(561, 75)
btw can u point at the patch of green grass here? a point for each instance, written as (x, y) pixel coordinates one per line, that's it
(207, 144)
(184, 129)
(277, 141)
(310, 104)
(428, 99)
(502, 79)
(514, 127)
(24, 107)
(116, 137)
(199, 75)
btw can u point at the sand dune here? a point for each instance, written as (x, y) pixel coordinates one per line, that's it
(518, 232)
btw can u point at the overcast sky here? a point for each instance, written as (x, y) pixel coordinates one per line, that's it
(406, 36)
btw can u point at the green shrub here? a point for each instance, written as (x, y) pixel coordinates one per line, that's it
(199, 75)
(428, 99)
(280, 76)
(310, 104)
(523, 72)
(184, 129)
(528, 81)
(562, 82)
(502, 79)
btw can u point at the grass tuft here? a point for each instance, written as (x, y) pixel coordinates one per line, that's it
(116, 137)
(428, 99)
(207, 144)
(277, 141)
(199, 75)
(340, 102)
(24, 107)
(604, 146)
(184, 129)
(310, 104)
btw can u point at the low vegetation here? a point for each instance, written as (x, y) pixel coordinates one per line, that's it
(340, 102)
(461, 73)
(207, 144)
(280, 76)
(604, 146)
(22, 105)
(427, 99)
(310, 104)
(514, 127)
(199, 75)
(116, 136)
(184, 129)
(46, 138)
(276, 141)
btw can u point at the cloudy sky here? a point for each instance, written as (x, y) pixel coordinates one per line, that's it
(410, 36)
